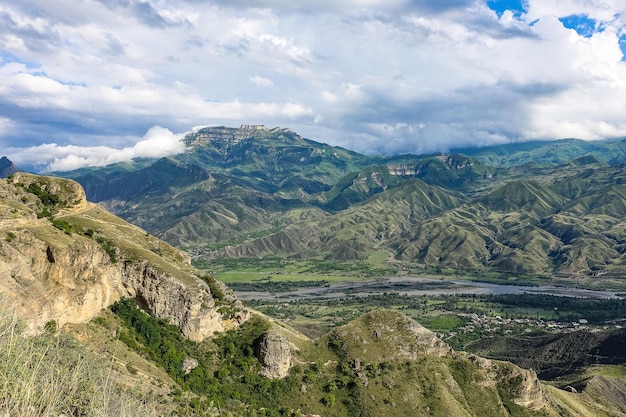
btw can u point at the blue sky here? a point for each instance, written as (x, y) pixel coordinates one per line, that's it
(101, 81)
(500, 6)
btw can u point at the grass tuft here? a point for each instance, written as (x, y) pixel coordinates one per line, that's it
(53, 375)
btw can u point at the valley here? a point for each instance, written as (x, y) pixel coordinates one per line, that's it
(544, 211)
(409, 286)
(316, 281)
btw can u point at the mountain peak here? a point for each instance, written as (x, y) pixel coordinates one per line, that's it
(7, 167)
(230, 135)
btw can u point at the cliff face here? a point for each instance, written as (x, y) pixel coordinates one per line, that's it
(68, 282)
(190, 306)
(64, 259)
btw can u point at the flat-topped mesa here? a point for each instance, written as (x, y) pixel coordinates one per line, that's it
(222, 135)
(253, 127)
(225, 135)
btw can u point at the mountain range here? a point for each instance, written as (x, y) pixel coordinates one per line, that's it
(177, 339)
(543, 208)
(69, 263)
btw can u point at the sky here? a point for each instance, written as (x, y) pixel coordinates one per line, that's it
(92, 82)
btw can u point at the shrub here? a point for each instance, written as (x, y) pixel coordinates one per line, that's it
(46, 198)
(108, 247)
(329, 400)
(63, 225)
(216, 290)
(51, 327)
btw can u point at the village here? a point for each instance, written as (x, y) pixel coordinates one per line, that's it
(484, 325)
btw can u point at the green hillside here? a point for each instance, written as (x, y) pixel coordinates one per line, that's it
(552, 152)
(533, 208)
(58, 247)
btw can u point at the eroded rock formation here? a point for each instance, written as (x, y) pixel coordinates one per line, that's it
(275, 353)
(64, 259)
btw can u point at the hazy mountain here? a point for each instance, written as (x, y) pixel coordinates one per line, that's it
(552, 152)
(7, 167)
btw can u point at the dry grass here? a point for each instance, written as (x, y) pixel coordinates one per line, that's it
(53, 375)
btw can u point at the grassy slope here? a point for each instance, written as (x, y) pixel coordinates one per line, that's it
(52, 375)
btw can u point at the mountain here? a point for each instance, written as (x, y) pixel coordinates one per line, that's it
(565, 220)
(7, 167)
(548, 208)
(231, 184)
(199, 352)
(612, 152)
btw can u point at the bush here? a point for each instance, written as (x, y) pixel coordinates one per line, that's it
(51, 327)
(109, 249)
(216, 290)
(63, 225)
(46, 198)
(329, 400)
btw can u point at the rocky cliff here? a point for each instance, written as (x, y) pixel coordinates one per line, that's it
(63, 259)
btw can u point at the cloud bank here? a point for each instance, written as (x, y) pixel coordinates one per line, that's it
(82, 83)
(158, 142)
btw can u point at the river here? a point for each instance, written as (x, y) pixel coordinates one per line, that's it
(415, 286)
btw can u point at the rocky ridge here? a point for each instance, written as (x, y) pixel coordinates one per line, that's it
(63, 259)
(228, 135)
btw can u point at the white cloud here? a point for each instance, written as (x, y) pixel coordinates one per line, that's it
(157, 142)
(361, 73)
(261, 81)
(5, 125)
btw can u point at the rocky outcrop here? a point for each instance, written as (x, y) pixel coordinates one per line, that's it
(64, 259)
(188, 305)
(275, 353)
(521, 384)
(189, 364)
(69, 281)
(528, 393)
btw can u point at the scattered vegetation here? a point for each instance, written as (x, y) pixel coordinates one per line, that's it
(228, 371)
(47, 198)
(109, 248)
(63, 225)
(216, 289)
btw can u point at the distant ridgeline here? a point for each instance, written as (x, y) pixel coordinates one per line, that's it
(538, 207)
